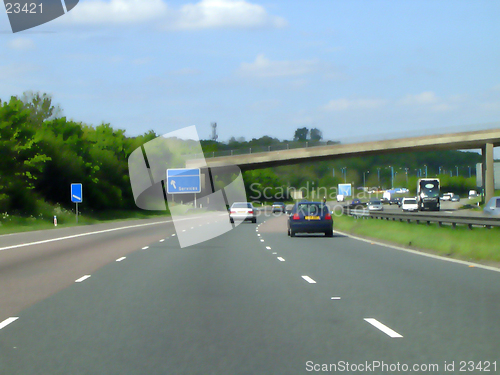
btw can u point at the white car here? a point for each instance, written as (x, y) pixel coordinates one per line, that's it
(241, 211)
(409, 204)
(447, 197)
(375, 205)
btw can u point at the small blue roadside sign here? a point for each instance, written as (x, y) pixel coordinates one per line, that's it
(76, 193)
(183, 181)
(345, 190)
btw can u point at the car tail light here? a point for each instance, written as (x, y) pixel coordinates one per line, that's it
(328, 217)
(233, 211)
(296, 217)
(250, 212)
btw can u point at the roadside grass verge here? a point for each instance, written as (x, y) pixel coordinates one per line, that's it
(478, 244)
(45, 219)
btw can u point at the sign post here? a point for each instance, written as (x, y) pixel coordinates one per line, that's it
(76, 196)
(184, 181)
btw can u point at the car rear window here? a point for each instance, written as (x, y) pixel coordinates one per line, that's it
(375, 202)
(311, 209)
(411, 201)
(498, 203)
(242, 205)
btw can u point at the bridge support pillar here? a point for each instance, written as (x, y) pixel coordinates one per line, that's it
(487, 172)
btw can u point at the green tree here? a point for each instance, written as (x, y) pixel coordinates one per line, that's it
(301, 134)
(315, 134)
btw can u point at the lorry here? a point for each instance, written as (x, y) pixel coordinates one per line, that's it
(428, 194)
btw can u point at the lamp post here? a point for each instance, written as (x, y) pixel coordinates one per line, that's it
(378, 174)
(457, 169)
(392, 176)
(469, 171)
(425, 165)
(344, 171)
(364, 179)
(439, 170)
(406, 172)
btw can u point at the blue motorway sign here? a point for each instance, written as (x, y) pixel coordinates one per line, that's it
(76, 193)
(344, 189)
(183, 181)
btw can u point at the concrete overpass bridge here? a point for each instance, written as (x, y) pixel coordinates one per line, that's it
(485, 140)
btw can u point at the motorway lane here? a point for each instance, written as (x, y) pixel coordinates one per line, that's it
(444, 310)
(31, 273)
(230, 306)
(221, 307)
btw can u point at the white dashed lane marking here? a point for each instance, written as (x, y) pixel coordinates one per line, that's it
(268, 247)
(162, 240)
(145, 247)
(82, 279)
(383, 328)
(120, 259)
(7, 321)
(281, 259)
(308, 279)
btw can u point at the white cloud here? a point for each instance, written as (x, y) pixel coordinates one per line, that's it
(263, 67)
(350, 104)
(211, 14)
(21, 44)
(206, 14)
(427, 97)
(430, 100)
(115, 12)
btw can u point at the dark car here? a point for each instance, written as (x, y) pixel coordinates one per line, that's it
(310, 217)
(278, 207)
(355, 202)
(396, 200)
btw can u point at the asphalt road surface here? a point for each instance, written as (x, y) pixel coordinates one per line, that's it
(252, 301)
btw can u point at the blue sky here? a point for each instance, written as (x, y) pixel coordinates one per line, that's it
(351, 68)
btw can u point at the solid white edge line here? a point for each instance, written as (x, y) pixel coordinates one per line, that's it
(120, 259)
(281, 259)
(382, 327)
(7, 321)
(308, 279)
(82, 278)
(145, 247)
(91, 233)
(421, 253)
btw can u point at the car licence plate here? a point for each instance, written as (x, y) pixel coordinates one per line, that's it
(311, 217)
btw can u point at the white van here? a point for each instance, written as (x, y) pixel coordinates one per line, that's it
(409, 204)
(472, 194)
